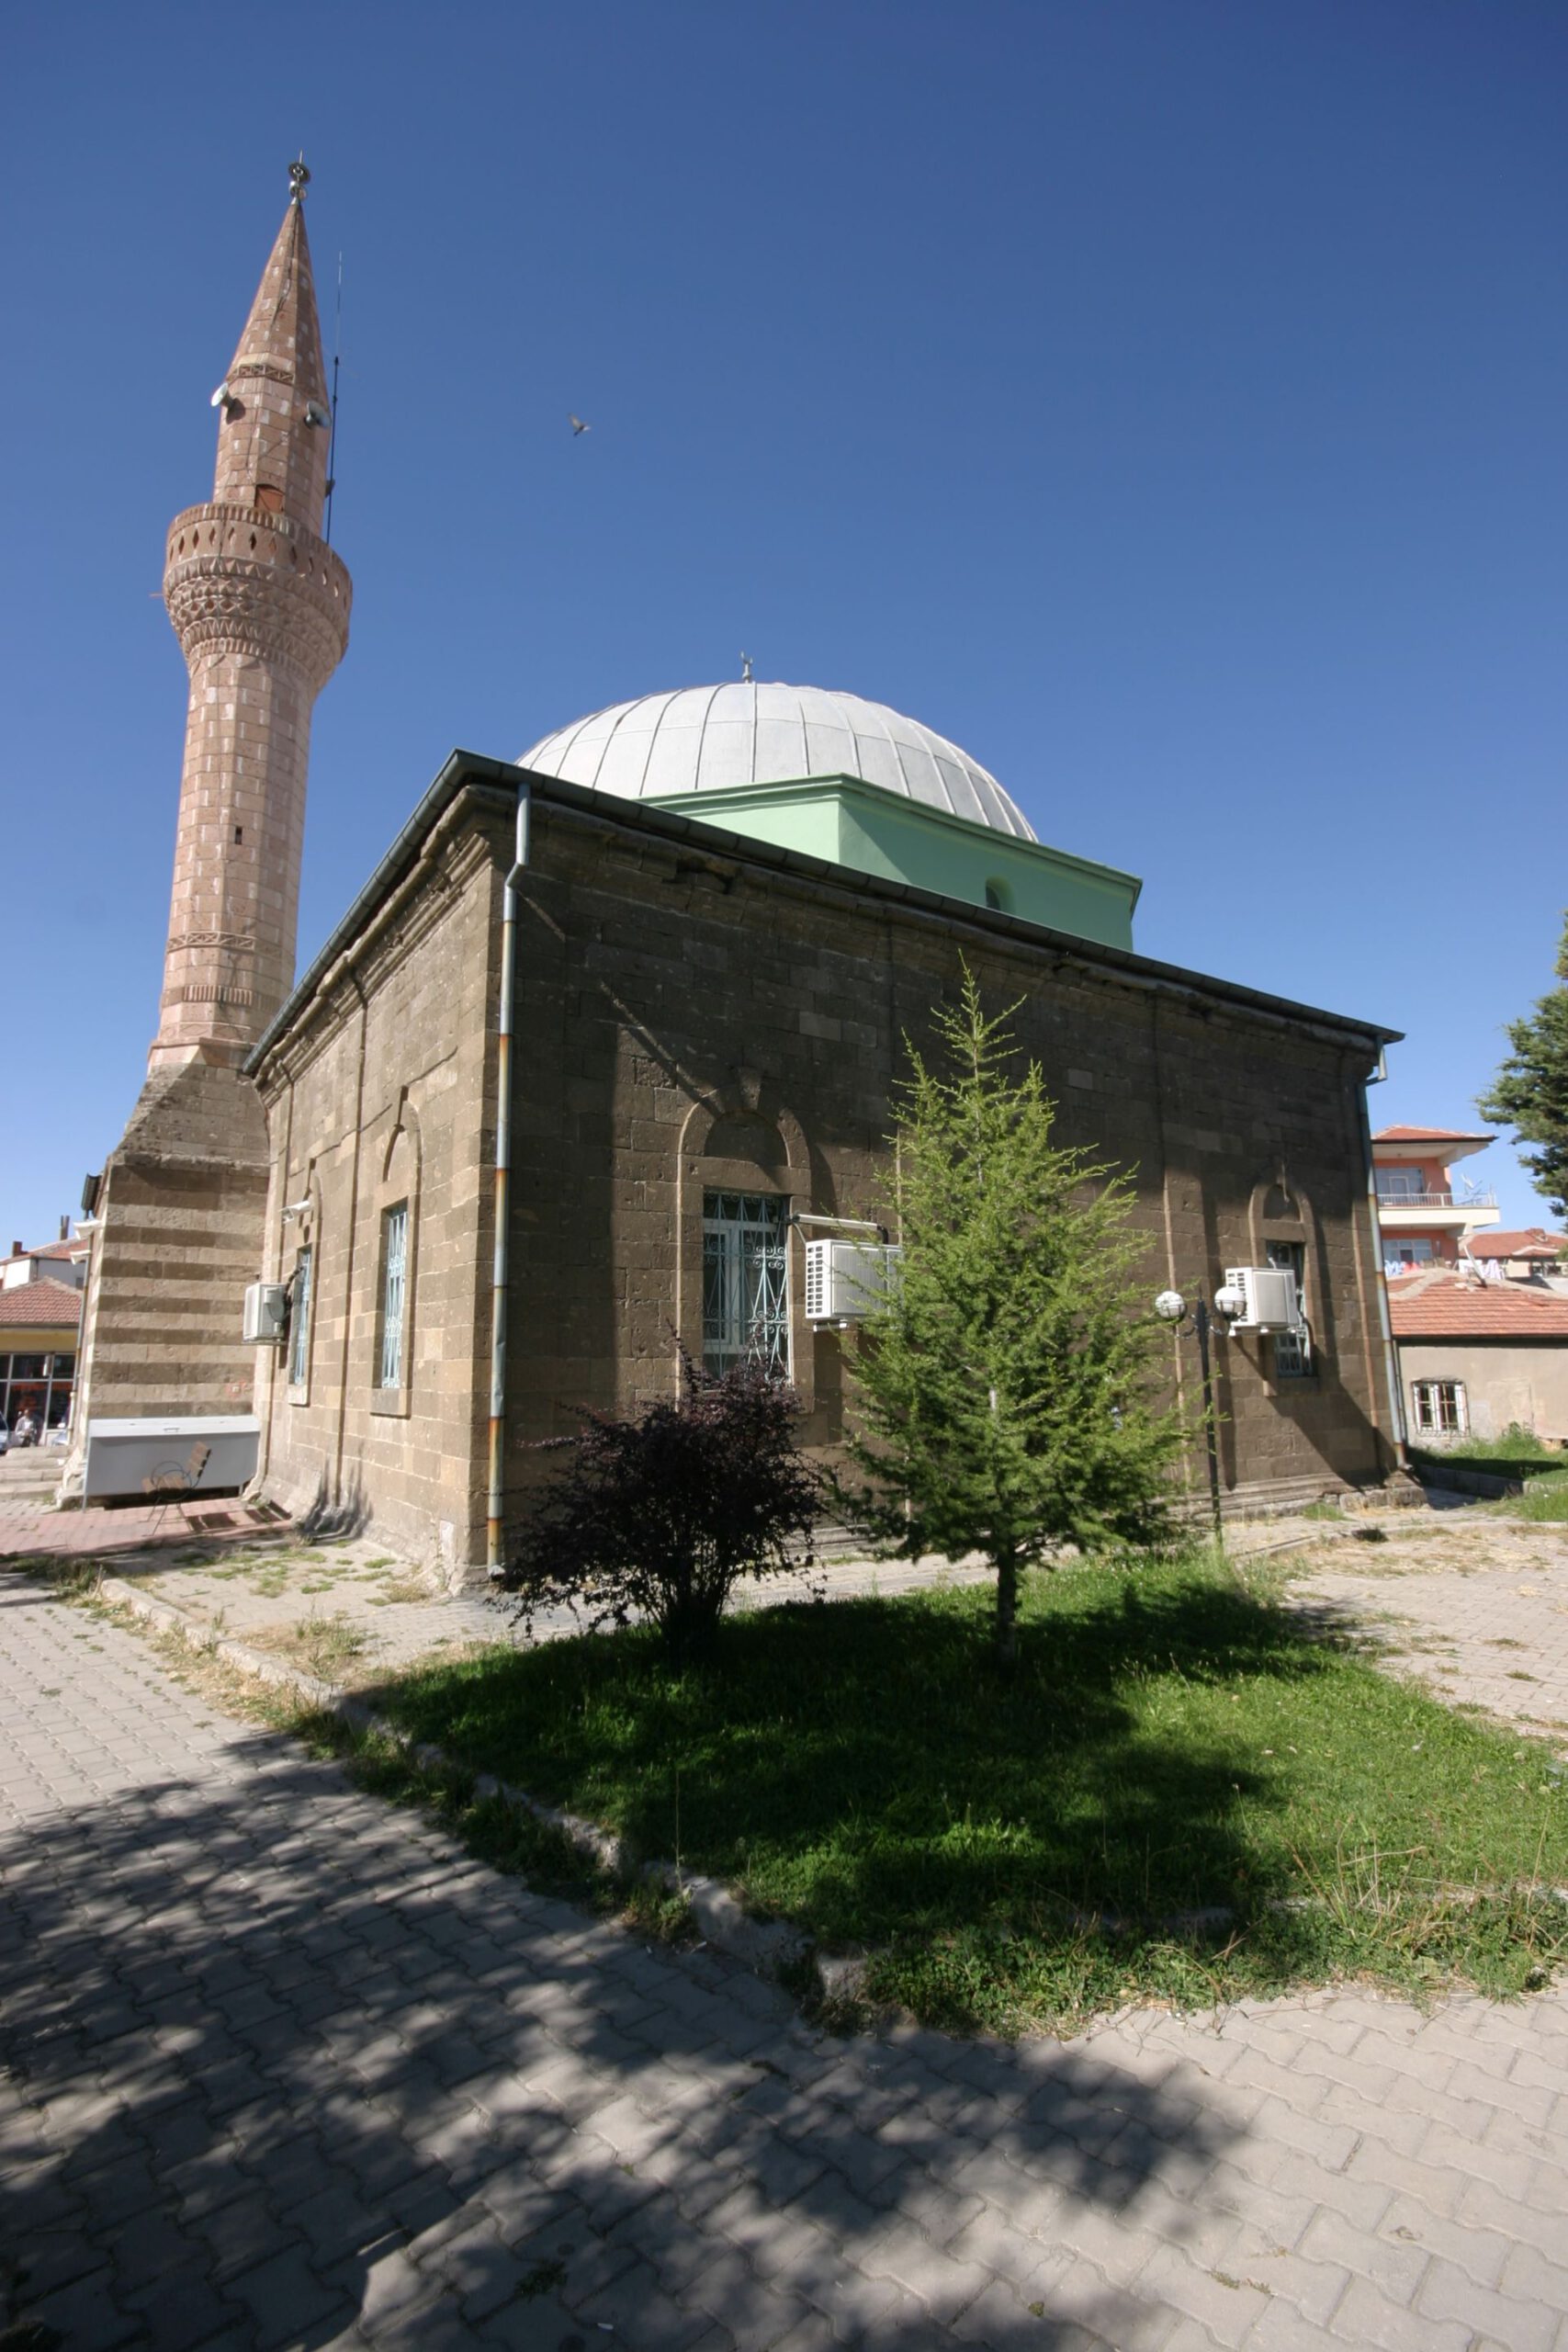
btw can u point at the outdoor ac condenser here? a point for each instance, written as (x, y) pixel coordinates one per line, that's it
(266, 1314)
(1268, 1295)
(845, 1280)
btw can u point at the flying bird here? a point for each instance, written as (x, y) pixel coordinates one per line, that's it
(578, 427)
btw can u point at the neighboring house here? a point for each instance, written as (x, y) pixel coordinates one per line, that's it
(56, 1262)
(1476, 1357)
(1531, 1255)
(1426, 1219)
(40, 1319)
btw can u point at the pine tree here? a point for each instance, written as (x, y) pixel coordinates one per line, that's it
(1002, 1400)
(1530, 1091)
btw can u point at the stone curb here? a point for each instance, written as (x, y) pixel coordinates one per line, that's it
(765, 1945)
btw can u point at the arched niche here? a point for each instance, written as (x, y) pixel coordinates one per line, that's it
(398, 1163)
(1280, 1211)
(741, 1139)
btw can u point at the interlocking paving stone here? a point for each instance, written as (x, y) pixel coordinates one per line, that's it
(284, 2068)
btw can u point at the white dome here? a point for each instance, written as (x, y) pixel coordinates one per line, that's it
(719, 738)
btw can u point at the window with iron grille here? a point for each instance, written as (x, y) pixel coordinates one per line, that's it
(1293, 1349)
(1440, 1408)
(299, 1328)
(394, 1293)
(745, 1281)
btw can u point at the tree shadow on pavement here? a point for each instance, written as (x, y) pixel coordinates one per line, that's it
(288, 2068)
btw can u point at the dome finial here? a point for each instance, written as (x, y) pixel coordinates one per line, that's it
(746, 679)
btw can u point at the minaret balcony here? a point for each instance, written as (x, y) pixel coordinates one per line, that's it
(239, 580)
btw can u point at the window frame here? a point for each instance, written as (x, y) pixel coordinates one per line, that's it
(300, 1302)
(1294, 1359)
(768, 1275)
(1427, 1392)
(397, 1224)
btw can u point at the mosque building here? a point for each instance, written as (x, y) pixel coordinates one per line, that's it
(611, 1034)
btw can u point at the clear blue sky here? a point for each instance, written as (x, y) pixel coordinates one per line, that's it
(1162, 398)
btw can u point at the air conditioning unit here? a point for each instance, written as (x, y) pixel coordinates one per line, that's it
(1260, 1298)
(266, 1314)
(845, 1280)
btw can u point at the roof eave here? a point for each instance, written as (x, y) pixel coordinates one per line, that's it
(462, 769)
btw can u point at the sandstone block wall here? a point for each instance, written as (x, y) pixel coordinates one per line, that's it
(380, 1099)
(179, 1235)
(696, 1022)
(691, 1018)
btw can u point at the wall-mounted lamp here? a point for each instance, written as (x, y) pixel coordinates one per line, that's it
(1172, 1309)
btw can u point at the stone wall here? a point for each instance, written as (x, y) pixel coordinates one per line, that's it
(179, 1235)
(380, 1097)
(697, 1020)
(698, 1014)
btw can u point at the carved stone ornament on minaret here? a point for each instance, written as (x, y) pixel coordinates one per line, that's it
(260, 605)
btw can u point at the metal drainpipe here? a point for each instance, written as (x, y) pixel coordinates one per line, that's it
(1391, 1353)
(503, 1185)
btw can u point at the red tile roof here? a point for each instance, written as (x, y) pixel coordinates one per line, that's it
(30, 1304)
(1445, 1306)
(1533, 1242)
(1429, 1134)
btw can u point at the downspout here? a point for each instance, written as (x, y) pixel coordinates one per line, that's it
(502, 1203)
(1391, 1353)
(352, 1254)
(258, 1485)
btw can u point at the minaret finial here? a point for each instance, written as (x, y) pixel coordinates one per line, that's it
(299, 178)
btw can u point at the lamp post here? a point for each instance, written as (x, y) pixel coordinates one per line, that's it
(1172, 1309)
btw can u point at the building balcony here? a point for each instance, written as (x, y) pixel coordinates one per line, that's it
(1435, 1212)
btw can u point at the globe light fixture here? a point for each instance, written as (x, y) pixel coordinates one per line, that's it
(1172, 1309)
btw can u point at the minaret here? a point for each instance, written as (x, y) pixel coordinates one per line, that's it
(260, 605)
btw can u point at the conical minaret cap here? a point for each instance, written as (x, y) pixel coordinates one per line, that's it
(273, 433)
(283, 331)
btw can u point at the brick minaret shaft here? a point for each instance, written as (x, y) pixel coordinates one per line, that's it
(260, 605)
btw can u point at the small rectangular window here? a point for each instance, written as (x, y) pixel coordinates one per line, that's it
(394, 1293)
(745, 1281)
(299, 1327)
(1400, 1255)
(1441, 1408)
(1293, 1349)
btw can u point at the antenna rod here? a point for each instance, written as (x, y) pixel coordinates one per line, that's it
(332, 437)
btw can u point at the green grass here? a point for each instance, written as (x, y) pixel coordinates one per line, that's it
(1030, 1849)
(1543, 1498)
(1516, 1445)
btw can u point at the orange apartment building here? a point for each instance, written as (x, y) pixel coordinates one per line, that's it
(1426, 1217)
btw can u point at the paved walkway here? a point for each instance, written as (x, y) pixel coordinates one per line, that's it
(1474, 1608)
(287, 2069)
